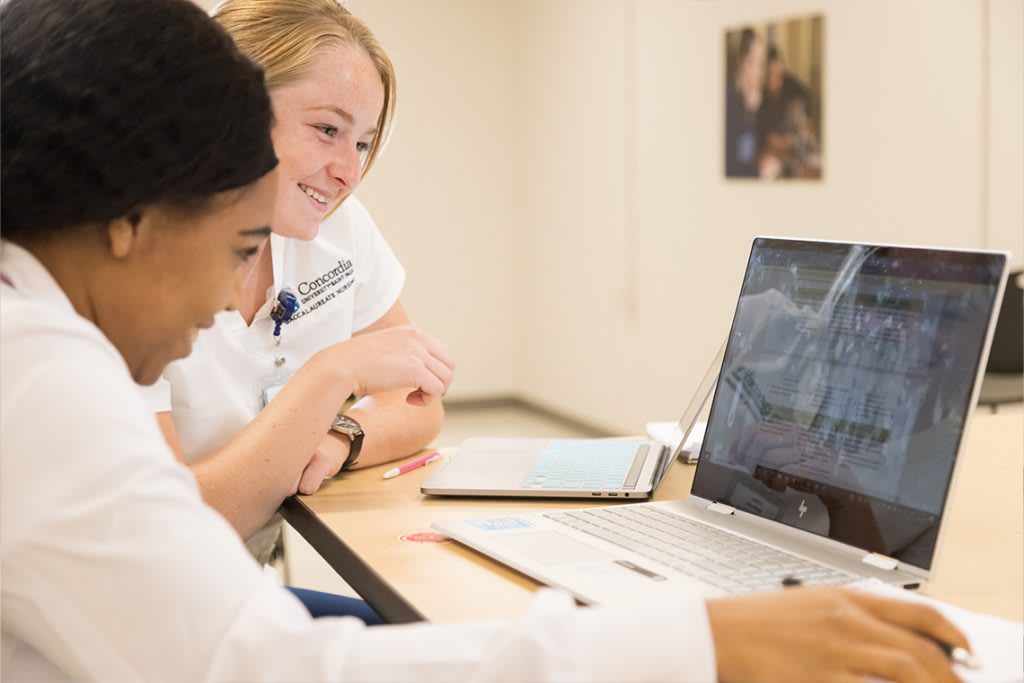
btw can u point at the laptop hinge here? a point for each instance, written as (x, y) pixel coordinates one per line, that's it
(881, 561)
(721, 508)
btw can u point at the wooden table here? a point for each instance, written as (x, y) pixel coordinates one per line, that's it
(366, 529)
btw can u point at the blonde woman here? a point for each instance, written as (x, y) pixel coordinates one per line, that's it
(333, 93)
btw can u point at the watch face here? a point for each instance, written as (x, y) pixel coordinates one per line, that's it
(344, 423)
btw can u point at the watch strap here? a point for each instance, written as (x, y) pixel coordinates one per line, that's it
(353, 452)
(344, 424)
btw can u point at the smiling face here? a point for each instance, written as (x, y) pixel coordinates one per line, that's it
(324, 125)
(180, 271)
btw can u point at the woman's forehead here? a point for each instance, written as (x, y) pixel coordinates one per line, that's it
(337, 74)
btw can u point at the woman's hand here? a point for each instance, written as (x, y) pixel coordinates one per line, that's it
(326, 462)
(829, 634)
(394, 358)
(400, 358)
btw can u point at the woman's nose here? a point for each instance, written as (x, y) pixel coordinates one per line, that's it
(347, 168)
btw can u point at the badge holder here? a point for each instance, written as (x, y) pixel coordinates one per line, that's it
(284, 309)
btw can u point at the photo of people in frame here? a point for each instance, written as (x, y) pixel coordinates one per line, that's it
(773, 100)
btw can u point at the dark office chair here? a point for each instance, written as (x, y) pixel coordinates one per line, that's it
(1004, 373)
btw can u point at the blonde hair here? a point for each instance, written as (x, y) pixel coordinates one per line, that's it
(284, 37)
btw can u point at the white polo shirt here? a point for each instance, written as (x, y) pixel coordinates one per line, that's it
(115, 570)
(346, 279)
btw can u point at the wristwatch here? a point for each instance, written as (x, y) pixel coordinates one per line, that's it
(343, 424)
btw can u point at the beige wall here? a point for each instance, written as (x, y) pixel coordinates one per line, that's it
(555, 190)
(445, 193)
(632, 223)
(1005, 129)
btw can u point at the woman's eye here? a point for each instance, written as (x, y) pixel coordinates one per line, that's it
(329, 131)
(363, 147)
(246, 254)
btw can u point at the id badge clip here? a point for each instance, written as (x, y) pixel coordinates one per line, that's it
(283, 310)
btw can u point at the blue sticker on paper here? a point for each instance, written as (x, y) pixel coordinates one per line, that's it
(499, 523)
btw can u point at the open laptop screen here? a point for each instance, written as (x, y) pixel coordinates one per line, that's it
(845, 387)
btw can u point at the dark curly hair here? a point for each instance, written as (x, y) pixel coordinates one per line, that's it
(111, 105)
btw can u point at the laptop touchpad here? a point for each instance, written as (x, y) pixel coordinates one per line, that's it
(551, 547)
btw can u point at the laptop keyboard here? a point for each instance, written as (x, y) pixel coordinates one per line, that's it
(732, 563)
(587, 464)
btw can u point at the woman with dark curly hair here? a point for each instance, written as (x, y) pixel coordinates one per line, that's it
(138, 185)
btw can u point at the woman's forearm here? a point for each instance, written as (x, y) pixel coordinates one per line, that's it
(393, 428)
(247, 478)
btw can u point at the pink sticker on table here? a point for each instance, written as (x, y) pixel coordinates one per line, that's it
(424, 537)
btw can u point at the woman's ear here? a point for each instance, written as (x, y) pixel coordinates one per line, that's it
(123, 234)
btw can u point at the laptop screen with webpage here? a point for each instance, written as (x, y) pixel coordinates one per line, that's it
(847, 379)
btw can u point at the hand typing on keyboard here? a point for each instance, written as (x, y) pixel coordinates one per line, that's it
(829, 634)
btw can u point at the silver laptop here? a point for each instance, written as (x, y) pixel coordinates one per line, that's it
(849, 377)
(567, 468)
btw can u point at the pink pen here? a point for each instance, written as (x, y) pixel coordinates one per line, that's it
(409, 466)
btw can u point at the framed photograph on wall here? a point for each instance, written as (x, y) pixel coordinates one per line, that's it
(773, 98)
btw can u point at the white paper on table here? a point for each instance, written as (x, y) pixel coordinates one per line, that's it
(997, 644)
